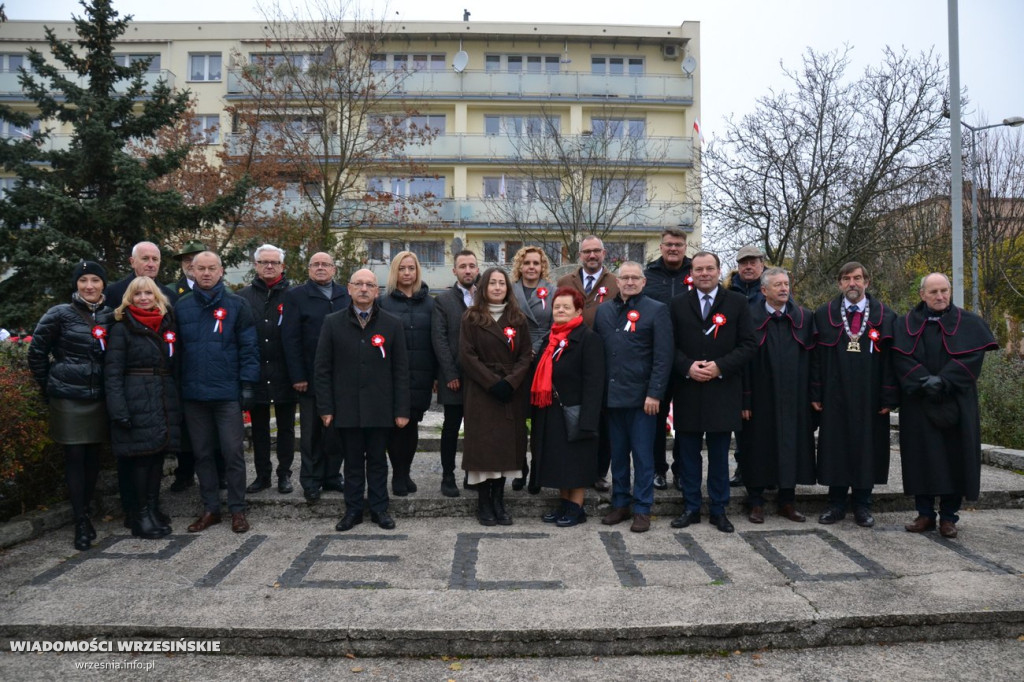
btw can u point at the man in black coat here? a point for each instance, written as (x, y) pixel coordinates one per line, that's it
(266, 298)
(714, 341)
(305, 308)
(854, 388)
(939, 349)
(777, 441)
(185, 257)
(362, 389)
(449, 306)
(668, 277)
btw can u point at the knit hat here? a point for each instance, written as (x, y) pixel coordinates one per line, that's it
(88, 267)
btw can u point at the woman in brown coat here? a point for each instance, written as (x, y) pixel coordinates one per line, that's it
(495, 355)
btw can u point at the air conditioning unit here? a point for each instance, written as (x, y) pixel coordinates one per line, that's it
(670, 51)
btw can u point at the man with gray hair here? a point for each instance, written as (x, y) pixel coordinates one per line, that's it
(266, 298)
(939, 349)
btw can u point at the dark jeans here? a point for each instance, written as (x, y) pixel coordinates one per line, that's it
(366, 468)
(210, 424)
(319, 447)
(755, 496)
(260, 414)
(861, 498)
(949, 505)
(718, 469)
(450, 437)
(632, 431)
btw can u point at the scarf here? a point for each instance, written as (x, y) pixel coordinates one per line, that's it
(496, 310)
(149, 318)
(92, 307)
(541, 390)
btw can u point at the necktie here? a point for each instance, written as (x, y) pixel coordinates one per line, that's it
(777, 315)
(855, 316)
(364, 316)
(590, 284)
(706, 310)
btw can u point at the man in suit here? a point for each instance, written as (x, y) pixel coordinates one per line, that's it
(361, 377)
(714, 340)
(445, 325)
(597, 286)
(854, 387)
(305, 308)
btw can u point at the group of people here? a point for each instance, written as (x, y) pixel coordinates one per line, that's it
(597, 360)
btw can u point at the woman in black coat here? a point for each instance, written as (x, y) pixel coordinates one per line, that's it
(408, 298)
(66, 359)
(142, 398)
(570, 372)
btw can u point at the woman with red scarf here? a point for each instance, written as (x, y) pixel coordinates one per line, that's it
(142, 397)
(570, 373)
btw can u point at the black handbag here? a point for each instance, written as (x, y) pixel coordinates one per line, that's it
(571, 414)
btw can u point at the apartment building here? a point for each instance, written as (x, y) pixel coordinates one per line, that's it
(493, 96)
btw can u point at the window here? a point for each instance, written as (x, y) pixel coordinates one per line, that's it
(294, 125)
(406, 187)
(613, 190)
(517, 126)
(127, 59)
(619, 127)
(520, 63)
(429, 252)
(521, 188)
(623, 251)
(408, 62)
(12, 132)
(492, 63)
(283, 65)
(12, 62)
(204, 67)
(7, 185)
(206, 127)
(617, 66)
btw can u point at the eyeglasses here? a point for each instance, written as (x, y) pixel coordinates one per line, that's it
(266, 263)
(587, 252)
(630, 278)
(315, 266)
(673, 245)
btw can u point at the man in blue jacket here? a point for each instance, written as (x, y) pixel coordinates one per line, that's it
(637, 335)
(220, 366)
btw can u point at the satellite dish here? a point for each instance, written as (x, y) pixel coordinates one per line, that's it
(461, 61)
(689, 65)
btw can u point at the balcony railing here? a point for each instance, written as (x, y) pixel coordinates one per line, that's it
(9, 85)
(575, 85)
(479, 148)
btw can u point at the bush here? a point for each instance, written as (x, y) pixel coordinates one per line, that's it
(1001, 397)
(31, 465)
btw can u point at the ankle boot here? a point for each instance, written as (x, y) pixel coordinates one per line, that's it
(574, 515)
(485, 508)
(498, 498)
(82, 541)
(145, 526)
(160, 519)
(89, 529)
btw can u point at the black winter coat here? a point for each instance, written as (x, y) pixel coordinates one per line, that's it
(445, 328)
(140, 377)
(416, 313)
(360, 383)
(638, 363)
(305, 308)
(65, 358)
(663, 284)
(267, 304)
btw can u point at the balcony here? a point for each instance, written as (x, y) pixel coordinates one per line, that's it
(490, 85)
(10, 88)
(671, 152)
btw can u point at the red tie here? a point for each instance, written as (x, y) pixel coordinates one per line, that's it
(855, 321)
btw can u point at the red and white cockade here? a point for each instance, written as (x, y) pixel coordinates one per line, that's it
(542, 294)
(510, 334)
(378, 342)
(100, 334)
(632, 318)
(170, 338)
(220, 314)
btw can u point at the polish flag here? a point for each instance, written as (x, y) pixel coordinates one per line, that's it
(696, 130)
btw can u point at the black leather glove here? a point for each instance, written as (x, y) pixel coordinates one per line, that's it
(123, 423)
(248, 396)
(932, 385)
(502, 391)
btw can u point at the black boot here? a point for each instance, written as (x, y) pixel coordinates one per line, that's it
(485, 509)
(498, 498)
(162, 520)
(89, 528)
(144, 525)
(82, 541)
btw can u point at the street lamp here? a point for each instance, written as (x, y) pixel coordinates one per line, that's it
(1012, 122)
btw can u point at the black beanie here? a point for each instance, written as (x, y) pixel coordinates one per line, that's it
(88, 267)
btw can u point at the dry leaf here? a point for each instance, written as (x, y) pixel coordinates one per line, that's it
(351, 656)
(756, 657)
(357, 670)
(455, 666)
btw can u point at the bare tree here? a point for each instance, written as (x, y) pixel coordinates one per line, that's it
(812, 174)
(563, 186)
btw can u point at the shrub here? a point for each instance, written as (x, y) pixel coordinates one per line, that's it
(1001, 397)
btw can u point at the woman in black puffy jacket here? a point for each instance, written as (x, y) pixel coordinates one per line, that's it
(408, 298)
(66, 359)
(142, 398)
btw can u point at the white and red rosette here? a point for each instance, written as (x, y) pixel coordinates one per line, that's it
(510, 334)
(718, 319)
(542, 294)
(688, 281)
(377, 340)
(601, 293)
(280, 313)
(170, 338)
(100, 334)
(632, 317)
(562, 345)
(220, 314)
(875, 337)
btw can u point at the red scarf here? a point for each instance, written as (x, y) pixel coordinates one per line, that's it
(150, 318)
(541, 390)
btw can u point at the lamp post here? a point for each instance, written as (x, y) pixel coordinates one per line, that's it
(1012, 122)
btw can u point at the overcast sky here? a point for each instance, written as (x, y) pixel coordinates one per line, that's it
(743, 41)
